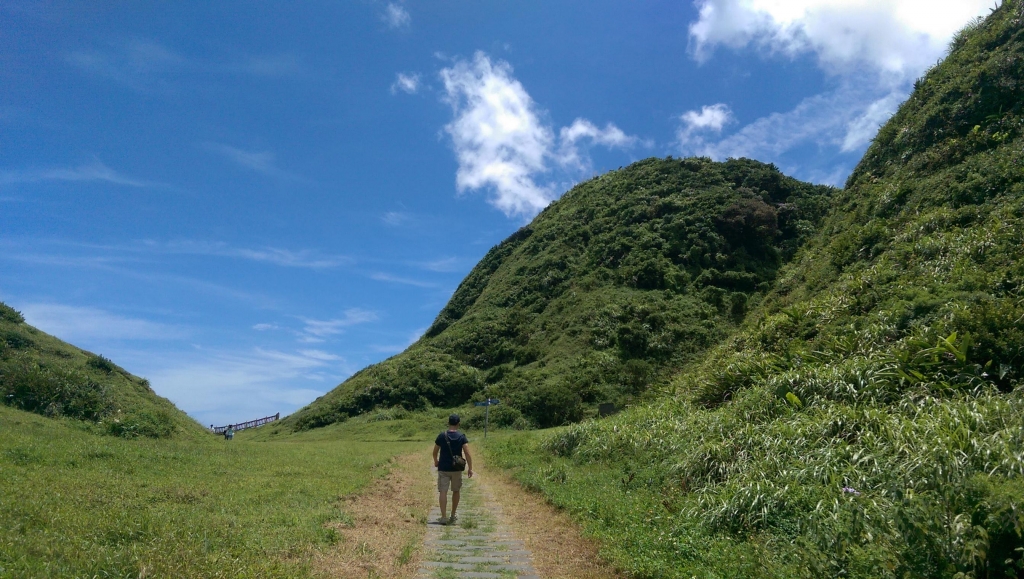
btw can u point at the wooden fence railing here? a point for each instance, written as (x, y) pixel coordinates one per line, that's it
(244, 425)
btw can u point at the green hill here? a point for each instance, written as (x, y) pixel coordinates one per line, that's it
(41, 374)
(867, 420)
(612, 288)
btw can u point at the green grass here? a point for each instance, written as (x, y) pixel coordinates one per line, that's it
(77, 504)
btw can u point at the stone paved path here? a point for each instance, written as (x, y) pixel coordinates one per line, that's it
(479, 545)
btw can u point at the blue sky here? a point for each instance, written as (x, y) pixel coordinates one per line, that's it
(248, 202)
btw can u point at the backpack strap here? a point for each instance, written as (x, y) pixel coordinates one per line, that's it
(449, 441)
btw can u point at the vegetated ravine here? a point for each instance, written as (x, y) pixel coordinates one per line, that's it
(610, 289)
(835, 373)
(822, 382)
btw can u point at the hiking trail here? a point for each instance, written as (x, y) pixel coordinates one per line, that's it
(479, 545)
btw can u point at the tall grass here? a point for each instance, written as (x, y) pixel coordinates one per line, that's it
(924, 488)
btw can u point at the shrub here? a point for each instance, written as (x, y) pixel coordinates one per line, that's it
(53, 391)
(501, 416)
(16, 340)
(9, 314)
(148, 423)
(102, 364)
(549, 404)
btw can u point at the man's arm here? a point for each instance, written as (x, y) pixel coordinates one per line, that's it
(437, 449)
(469, 460)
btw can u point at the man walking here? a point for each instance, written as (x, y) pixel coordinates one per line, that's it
(449, 444)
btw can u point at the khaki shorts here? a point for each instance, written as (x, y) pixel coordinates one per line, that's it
(446, 479)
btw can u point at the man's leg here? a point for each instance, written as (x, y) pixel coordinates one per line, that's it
(444, 481)
(443, 501)
(455, 503)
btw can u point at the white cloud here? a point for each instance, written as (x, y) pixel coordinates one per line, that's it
(710, 118)
(277, 256)
(900, 37)
(498, 136)
(320, 329)
(407, 83)
(582, 129)
(319, 355)
(259, 161)
(873, 50)
(843, 120)
(861, 129)
(396, 16)
(91, 172)
(265, 327)
(379, 276)
(147, 66)
(221, 387)
(443, 265)
(501, 141)
(695, 124)
(84, 325)
(395, 218)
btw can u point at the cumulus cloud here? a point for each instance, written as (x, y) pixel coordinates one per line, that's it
(407, 83)
(901, 37)
(502, 142)
(396, 16)
(498, 136)
(694, 125)
(872, 50)
(583, 130)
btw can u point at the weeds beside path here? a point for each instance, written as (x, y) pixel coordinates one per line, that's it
(560, 551)
(382, 528)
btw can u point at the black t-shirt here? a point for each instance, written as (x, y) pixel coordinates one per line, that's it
(456, 440)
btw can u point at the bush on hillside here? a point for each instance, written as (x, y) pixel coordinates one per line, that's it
(53, 391)
(501, 416)
(15, 339)
(102, 364)
(9, 314)
(147, 423)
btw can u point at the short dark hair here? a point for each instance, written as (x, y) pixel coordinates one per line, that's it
(453, 419)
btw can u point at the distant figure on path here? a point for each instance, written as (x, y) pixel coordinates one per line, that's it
(229, 433)
(449, 444)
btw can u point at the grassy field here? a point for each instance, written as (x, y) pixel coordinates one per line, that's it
(77, 504)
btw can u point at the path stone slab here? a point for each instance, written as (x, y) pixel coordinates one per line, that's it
(485, 549)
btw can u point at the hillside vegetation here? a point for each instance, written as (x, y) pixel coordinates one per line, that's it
(41, 374)
(610, 289)
(867, 420)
